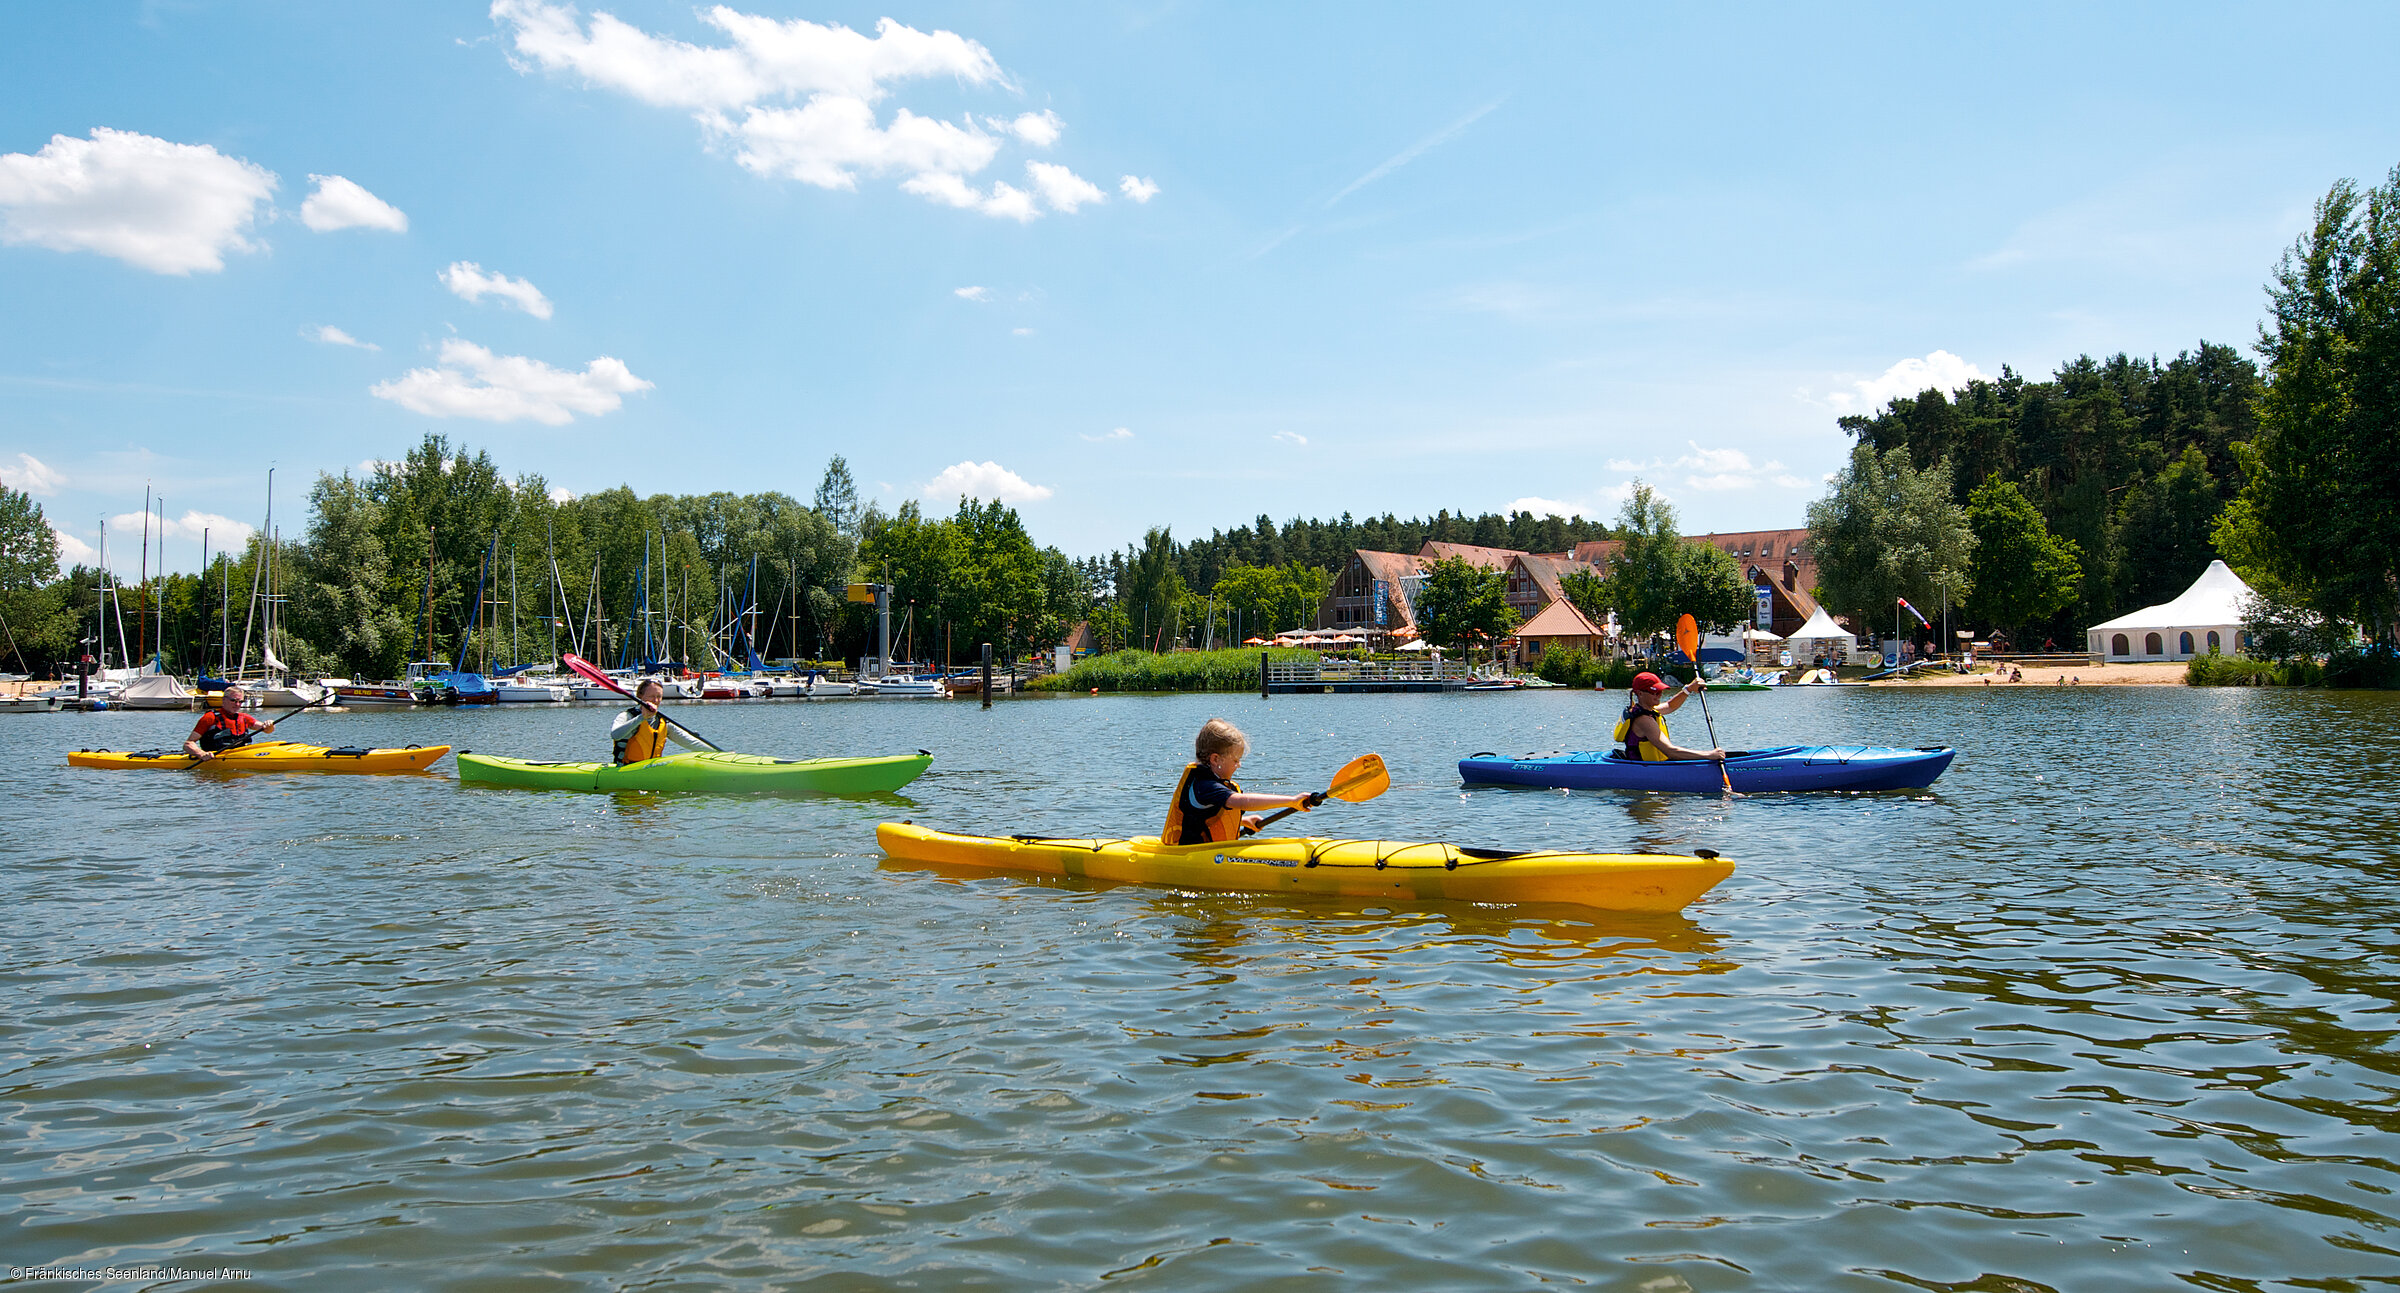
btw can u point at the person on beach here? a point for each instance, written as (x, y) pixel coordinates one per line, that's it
(1208, 806)
(1642, 732)
(224, 728)
(641, 733)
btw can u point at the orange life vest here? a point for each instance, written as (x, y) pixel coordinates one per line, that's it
(1222, 825)
(647, 741)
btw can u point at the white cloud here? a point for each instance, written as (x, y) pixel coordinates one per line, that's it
(972, 293)
(164, 207)
(1020, 332)
(472, 382)
(1547, 507)
(1940, 370)
(1711, 470)
(333, 336)
(73, 551)
(1004, 201)
(467, 281)
(1119, 434)
(223, 531)
(1137, 188)
(798, 99)
(561, 494)
(985, 480)
(1291, 437)
(341, 204)
(767, 58)
(1040, 129)
(1063, 189)
(32, 476)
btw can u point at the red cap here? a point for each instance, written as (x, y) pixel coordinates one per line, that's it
(1648, 682)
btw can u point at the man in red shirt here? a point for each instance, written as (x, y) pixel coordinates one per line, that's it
(224, 727)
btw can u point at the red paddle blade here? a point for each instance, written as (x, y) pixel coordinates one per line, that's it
(585, 669)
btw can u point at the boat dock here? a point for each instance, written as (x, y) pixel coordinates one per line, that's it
(1333, 676)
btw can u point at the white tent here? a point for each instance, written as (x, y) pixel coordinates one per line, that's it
(2205, 620)
(1821, 628)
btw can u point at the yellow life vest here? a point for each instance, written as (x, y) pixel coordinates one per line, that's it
(1222, 825)
(647, 741)
(1647, 751)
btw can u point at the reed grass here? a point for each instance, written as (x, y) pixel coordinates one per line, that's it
(1235, 669)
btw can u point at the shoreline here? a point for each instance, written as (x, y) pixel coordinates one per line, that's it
(2114, 675)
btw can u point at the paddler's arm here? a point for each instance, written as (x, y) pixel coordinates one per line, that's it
(1646, 727)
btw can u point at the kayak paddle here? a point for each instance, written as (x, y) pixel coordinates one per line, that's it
(584, 667)
(1687, 637)
(1360, 780)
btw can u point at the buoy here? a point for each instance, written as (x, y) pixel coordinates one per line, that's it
(1095, 691)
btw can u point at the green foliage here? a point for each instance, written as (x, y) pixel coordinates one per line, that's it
(1711, 588)
(837, 498)
(28, 548)
(2077, 443)
(1460, 603)
(1888, 530)
(1658, 577)
(2235, 671)
(338, 582)
(2326, 484)
(1271, 599)
(1235, 669)
(2160, 542)
(2023, 573)
(1581, 670)
(1154, 593)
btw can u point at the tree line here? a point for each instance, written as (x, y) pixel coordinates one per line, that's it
(2042, 507)
(2036, 507)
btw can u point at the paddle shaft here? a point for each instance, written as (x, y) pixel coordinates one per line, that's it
(1709, 719)
(1272, 818)
(585, 669)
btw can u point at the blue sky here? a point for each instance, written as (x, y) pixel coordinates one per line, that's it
(1121, 265)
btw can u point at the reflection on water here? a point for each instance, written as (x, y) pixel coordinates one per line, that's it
(2111, 1007)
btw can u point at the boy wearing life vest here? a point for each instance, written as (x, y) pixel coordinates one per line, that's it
(224, 727)
(641, 733)
(1642, 732)
(1208, 805)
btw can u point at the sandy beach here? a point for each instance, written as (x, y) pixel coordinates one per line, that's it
(2114, 675)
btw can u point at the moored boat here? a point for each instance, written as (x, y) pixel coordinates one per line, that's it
(1379, 870)
(372, 695)
(1789, 767)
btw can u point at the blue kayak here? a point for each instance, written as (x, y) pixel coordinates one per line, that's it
(1788, 767)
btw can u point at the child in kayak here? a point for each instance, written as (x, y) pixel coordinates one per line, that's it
(223, 728)
(1642, 732)
(641, 733)
(1208, 806)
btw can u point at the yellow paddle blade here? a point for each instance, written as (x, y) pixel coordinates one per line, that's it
(1687, 637)
(1360, 779)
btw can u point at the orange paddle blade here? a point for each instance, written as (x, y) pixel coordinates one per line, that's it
(1360, 779)
(1687, 637)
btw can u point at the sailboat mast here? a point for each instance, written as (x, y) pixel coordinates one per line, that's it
(257, 568)
(141, 620)
(515, 656)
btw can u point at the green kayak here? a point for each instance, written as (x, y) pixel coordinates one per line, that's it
(703, 771)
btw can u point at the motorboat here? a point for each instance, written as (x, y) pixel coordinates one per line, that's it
(900, 685)
(529, 691)
(374, 695)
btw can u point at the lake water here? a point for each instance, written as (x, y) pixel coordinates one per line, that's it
(2113, 1006)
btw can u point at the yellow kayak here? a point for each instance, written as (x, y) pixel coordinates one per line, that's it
(1386, 869)
(270, 756)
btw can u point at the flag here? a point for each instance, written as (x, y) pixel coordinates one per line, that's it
(1914, 611)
